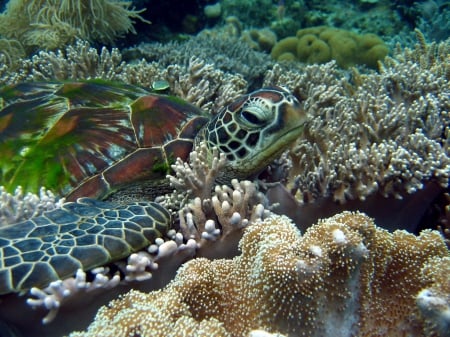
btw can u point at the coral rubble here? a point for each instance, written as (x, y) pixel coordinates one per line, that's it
(343, 277)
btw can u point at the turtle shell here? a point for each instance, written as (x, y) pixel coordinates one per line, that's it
(91, 138)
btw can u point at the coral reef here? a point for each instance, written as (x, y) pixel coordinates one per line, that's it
(60, 291)
(368, 132)
(52, 24)
(211, 219)
(196, 81)
(225, 50)
(253, 13)
(343, 277)
(260, 39)
(386, 131)
(433, 301)
(18, 206)
(213, 215)
(443, 222)
(432, 18)
(77, 61)
(323, 44)
(203, 85)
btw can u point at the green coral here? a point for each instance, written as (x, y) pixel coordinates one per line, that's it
(52, 24)
(322, 44)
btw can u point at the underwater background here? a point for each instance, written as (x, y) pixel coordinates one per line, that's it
(373, 78)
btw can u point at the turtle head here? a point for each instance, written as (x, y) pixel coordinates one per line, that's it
(255, 129)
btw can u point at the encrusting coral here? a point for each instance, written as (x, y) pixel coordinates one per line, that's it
(343, 277)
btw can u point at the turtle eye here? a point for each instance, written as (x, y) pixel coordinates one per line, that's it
(255, 116)
(251, 117)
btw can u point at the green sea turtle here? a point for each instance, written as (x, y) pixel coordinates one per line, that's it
(92, 141)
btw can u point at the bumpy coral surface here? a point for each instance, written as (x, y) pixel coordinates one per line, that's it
(323, 44)
(343, 277)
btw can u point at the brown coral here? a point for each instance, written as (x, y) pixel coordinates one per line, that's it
(344, 277)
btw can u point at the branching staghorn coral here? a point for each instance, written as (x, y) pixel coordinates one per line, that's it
(53, 297)
(385, 132)
(343, 277)
(203, 85)
(211, 221)
(321, 88)
(76, 62)
(431, 56)
(18, 207)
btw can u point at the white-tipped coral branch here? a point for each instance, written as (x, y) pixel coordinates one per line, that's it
(58, 292)
(18, 206)
(198, 177)
(203, 85)
(207, 212)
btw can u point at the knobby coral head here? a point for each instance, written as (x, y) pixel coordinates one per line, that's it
(343, 277)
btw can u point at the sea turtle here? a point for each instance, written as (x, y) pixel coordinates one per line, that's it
(96, 140)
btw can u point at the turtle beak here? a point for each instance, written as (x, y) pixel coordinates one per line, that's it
(293, 117)
(287, 129)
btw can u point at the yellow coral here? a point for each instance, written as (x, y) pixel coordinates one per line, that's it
(322, 44)
(310, 49)
(344, 277)
(286, 45)
(260, 39)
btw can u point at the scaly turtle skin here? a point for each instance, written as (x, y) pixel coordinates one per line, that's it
(80, 235)
(97, 140)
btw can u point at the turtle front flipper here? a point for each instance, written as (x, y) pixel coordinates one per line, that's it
(79, 235)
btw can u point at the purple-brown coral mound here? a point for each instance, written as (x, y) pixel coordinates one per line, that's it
(344, 277)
